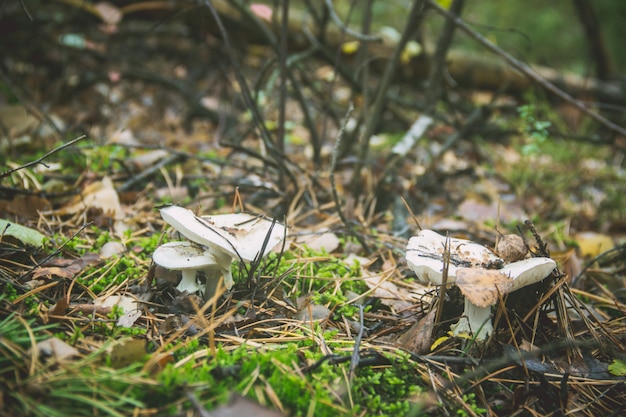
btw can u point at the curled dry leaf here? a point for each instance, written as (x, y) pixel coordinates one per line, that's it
(481, 286)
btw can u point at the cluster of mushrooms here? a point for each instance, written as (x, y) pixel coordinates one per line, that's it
(475, 268)
(215, 242)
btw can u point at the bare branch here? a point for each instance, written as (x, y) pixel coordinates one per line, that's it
(526, 70)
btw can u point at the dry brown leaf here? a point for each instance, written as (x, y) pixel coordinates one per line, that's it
(67, 268)
(417, 338)
(481, 286)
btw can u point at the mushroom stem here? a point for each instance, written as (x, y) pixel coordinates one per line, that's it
(224, 260)
(213, 277)
(476, 321)
(188, 283)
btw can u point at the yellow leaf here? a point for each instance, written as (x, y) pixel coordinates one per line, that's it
(463, 335)
(350, 47)
(444, 3)
(593, 244)
(438, 342)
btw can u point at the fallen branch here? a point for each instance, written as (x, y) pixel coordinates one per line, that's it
(526, 70)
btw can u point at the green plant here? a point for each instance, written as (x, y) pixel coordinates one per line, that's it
(535, 131)
(470, 401)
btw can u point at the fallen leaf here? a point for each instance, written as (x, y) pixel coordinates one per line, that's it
(59, 308)
(127, 352)
(439, 342)
(391, 295)
(100, 196)
(328, 242)
(66, 268)
(592, 244)
(111, 249)
(56, 349)
(25, 205)
(481, 286)
(417, 338)
(127, 303)
(24, 234)
(129, 318)
(262, 11)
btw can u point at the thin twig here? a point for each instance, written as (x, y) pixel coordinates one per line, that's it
(354, 361)
(412, 25)
(278, 156)
(438, 62)
(136, 179)
(40, 160)
(333, 185)
(282, 65)
(363, 37)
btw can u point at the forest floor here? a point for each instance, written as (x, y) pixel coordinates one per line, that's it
(102, 131)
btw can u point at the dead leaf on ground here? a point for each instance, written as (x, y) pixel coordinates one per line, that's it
(481, 286)
(56, 349)
(327, 241)
(66, 268)
(127, 352)
(25, 205)
(391, 295)
(417, 338)
(102, 196)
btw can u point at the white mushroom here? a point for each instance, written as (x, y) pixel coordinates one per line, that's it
(484, 286)
(228, 236)
(424, 255)
(470, 270)
(189, 259)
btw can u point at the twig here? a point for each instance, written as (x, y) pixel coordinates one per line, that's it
(363, 37)
(354, 360)
(438, 62)
(333, 185)
(278, 156)
(40, 160)
(170, 159)
(526, 70)
(413, 23)
(282, 65)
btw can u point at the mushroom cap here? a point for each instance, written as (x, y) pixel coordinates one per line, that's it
(180, 256)
(528, 271)
(424, 255)
(240, 235)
